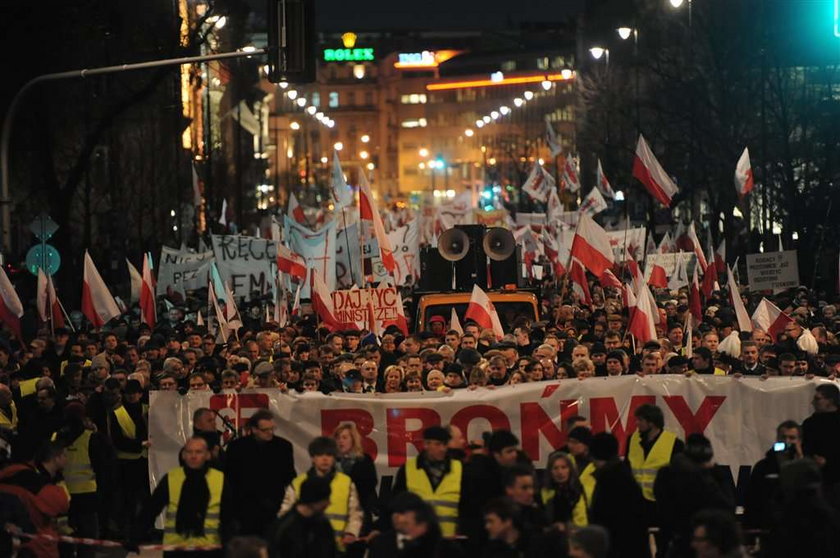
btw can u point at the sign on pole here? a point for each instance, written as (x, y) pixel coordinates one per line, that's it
(773, 270)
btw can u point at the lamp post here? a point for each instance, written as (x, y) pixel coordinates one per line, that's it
(625, 33)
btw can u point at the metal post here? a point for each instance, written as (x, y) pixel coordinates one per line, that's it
(11, 112)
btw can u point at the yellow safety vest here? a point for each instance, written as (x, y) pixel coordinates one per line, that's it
(579, 512)
(10, 422)
(645, 469)
(215, 483)
(129, 430)
(28, 387)
(587, 479)
(78, 473)
(445, 499)
(338, 512)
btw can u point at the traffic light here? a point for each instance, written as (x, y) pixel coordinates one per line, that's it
(291, 41)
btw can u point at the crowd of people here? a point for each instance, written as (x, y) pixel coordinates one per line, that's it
(74, 441)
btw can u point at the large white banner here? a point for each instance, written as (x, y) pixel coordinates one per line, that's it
(246, 263)
(739, 416)
(318, 248)
(406, 244)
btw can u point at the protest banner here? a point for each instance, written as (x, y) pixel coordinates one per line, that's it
(179, 270)
(353, 305)
(738, 415)
(669, 262)
(246, 263)
(406, 244)
(318, 248)
(348, 257)
(773, 271)
(492, 218)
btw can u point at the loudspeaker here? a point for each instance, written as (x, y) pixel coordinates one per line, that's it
(453, 245)
(291, 41)
(507, 271)
(498, 244)
(435, 272)
(472, 268)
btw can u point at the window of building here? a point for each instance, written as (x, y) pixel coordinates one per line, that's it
(508, 65)
(350, 98)
(333, 102)
(414, 123)
(413, 99)
(542, 63)
(369, 98)
(315, 99)
(409, 146)
(412, 171)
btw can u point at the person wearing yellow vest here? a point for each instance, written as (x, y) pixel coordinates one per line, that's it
(435, 477)
(344, 512)
(86, 473)
(8, 409)
(192, 496)
(562, 494)
(305, 531)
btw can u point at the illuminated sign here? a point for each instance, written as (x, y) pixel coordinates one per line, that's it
(348, 55)
(518, 80)
(424, 59)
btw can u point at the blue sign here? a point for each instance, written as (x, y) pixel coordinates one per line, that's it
(43, 255)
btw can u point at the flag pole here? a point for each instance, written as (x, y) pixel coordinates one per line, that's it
(66, 315)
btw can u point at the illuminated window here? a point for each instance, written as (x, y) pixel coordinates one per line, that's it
(333, 102)
(315, 99)
(508, 65)
(413, 99)
(414, 123)
(359, 71)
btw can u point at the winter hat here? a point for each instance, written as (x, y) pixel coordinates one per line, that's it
(604, 446)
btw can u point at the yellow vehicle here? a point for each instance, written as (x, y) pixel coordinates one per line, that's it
(510, 304)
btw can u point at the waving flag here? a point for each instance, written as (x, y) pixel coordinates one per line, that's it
(98, 305)
(148, 310)
(591, 246)
(658, 278)
(694, 305)
(136, 281)
(482, 312)
(738, 304)
(47, 301)
(769, 318)
(602, 182)
(290, 263)
(608, 279)
(323, 304)
(650, 173)
(539, 183)
(744, 174)
(368, 212)
(570, 181)
(295, 211)
(642, 325)
(593, 203)
(697, 248)
(342, 193)
(580, 285)
(552, 139)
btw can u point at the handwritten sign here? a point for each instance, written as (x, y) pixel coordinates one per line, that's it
(773, 271)
(181, 270)
(354, 305)
(247, 263)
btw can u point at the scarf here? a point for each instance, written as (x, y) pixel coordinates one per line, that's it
(346, 463)
(192, 506)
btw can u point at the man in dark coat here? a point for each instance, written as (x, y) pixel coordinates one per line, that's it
(260, 466)
(414, 531)
(617, 503)
(304, 531)
(821, 432)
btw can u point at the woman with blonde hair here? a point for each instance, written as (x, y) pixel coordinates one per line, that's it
(562, 494)
(355, 463)
(393, 379)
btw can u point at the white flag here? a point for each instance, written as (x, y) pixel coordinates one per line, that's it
(593, 203)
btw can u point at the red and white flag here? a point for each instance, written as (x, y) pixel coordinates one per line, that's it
(539, 183)
(744, 174)
(591, 246)
(136, 281)
(296, 302)
(628, 297)
(666, 245)
(295, 211)
(658, 278)
(552, 139)
(455, 323)
(642, 325)
(552, 253)
(697, 248)
(47, 300)
(11, 308)
(608, 279)
(323, 304)
(571, 180)
(554, 209)
(688, 341)
(368, 212)
(148, 310)
(342, 193)
(720, 256)
(481, 311)
(580, 285)
(199, 320)
(679, 278)
(594, 203)
(602, 182)
(98, 305)
(650, 173)
(694, 306)
(290, 263)
(769, 318)
(738, 304)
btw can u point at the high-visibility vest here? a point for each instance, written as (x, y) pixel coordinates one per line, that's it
(78, 473)
(211, 537)
(444, 499)
(587, 479)
(579, 511)
(645, 468)
(338, 512)
(129, 430)
(10, 422)
(28, 387)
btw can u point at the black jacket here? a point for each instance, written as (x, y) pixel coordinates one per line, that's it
(619, 507)
(296, 536)
(363, 475)
(260, 471)
(820, 435)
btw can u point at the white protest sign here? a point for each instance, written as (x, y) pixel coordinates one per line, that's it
(179, 269)
(773, 270)
(318, 248)
(406, 244)
(246, 263)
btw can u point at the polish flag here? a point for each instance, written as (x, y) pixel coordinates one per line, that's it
(688, 341)
(368, 212)
(591, 246)
(666, 245)
(694, 306)
(697, 248)
(47, 300)
(642, 325)
(98, 305)
(342, 193)
(744, 174)
(323, 304)
(679, 278)
(11, 308)
(593, 203)
(738, 304)
(635, 273)
(650, 173)
(608, 279)
(482, 312)
(579, 283)
(602, 182)
(290, 263)
(768, 317)
(455, 323)
(199, 321)
(720, 256)
(148, 312)
(658, 278)
(628, 297)
(710, 278)
(295, 211)
(136, 281)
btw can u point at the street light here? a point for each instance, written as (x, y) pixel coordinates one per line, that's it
(517, 102)
(546, 85)
(301, 102)
(365, 138)
(597, 52)
(624, 32)
(363, 154)
(494, 115)
(479, 123)
(504, 110)
(291, 94)
(311, 110)
(338, 146)
(469, 133)
(486, 119)
(423, 152)
(528, 95)
(294, 126)
(676, 3)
